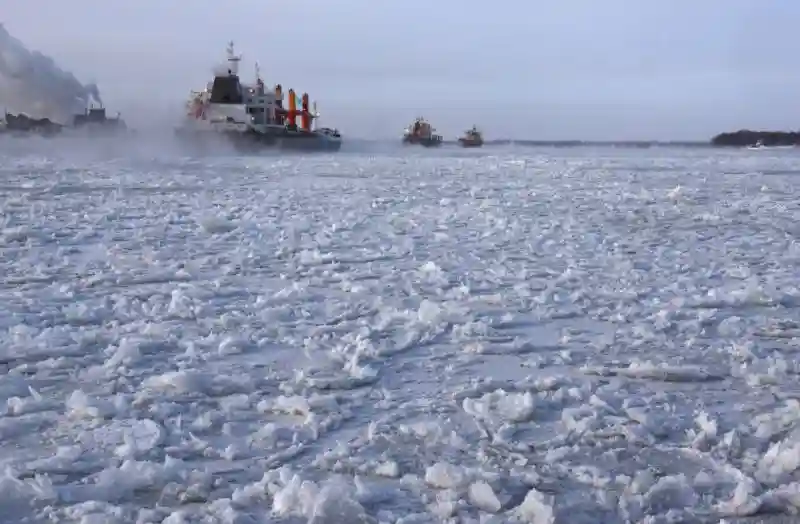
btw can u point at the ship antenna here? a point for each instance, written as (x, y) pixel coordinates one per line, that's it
(233, 59)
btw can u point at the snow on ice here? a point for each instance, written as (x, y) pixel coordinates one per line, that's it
(525, 336)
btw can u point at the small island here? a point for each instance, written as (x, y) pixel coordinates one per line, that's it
(746, 137)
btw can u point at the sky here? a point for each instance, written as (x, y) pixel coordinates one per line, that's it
(566, 69)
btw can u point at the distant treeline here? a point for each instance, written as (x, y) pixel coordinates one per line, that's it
(746, 137)
(599, 143)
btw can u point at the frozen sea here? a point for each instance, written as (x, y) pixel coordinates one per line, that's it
(570, 336)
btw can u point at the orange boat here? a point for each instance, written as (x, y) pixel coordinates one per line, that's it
(471, 138)
(421, 132)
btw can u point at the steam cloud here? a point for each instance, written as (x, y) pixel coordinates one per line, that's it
(32, 83)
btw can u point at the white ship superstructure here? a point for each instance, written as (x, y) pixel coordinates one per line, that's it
(228, 106)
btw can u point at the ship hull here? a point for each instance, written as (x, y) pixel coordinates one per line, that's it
(254, 141)
(433, 141)
(465, 142)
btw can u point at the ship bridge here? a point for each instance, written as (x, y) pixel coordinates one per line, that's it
(227, 100)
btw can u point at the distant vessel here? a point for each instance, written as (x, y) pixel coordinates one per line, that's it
(251, 117)
(760, 145)
(95, 118)
(22, 125)
(420, 132)
(471, 138)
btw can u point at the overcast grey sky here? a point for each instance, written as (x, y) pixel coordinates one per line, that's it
(588, 69)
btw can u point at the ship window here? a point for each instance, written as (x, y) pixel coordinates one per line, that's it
(226, 90)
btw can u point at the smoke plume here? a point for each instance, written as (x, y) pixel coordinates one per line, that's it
(32, 83)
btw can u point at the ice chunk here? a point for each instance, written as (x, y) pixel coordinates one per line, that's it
(428, 312)
(335, 505)
(537, 508)
(481, 495)
(296, 497)
(125, 354)
(444, 475)
(388, 469)
(670, 492)
(81, 405)
(217, 224)
(500, 406)
(35, 403)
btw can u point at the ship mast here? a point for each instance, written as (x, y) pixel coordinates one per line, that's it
(259, 81)
(233, 60)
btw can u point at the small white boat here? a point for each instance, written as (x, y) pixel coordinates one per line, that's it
(759, 145)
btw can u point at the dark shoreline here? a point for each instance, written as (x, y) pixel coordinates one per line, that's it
(592, 143)
(747, 137)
